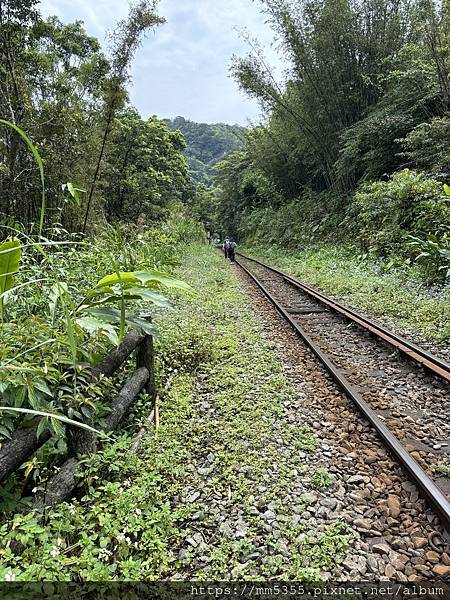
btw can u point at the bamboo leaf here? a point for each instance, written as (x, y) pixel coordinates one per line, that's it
(39, 163)
(62, 418)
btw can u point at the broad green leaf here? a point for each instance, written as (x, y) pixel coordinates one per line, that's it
(447, 189)
(112, 315)
(114, 278)
(41, 385)
(9, 265)
(93, 325)
(57, 290)
(105, 313)
(141, 325)
(73, 191)
(136, 294)
(149, 277)
(150, 296)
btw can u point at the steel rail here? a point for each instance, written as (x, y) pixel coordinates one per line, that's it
(438, 366)
(428, 488)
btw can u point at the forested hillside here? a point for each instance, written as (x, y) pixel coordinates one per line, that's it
(70, 98)
(207, 144)
(355, 145)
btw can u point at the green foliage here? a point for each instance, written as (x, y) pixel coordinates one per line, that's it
(442, 469)
(132, 516)
(207, 144)
(367, 88)
(145, 171)
(69, 316)
(321, 479)
(426, 146)
(385, 213)
(10, 256)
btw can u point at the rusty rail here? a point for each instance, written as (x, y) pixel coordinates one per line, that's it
(433, 363)
(426, 486)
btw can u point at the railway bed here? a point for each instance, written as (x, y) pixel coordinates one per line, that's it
(401, 389)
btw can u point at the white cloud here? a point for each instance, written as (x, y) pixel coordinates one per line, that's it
(182, 69)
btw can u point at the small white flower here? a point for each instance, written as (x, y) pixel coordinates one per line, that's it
(59, 541)
(34, 490)
(120, 537)
(138, 511)
(54, 552)
(72, 509)
(10, 576)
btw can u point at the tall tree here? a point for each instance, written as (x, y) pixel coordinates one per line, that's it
(126, 39)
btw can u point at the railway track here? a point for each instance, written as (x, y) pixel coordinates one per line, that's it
(400, 388)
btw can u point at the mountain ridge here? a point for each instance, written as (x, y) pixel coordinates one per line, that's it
(207, 144)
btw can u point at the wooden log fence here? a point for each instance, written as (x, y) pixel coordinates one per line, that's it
(24, 441)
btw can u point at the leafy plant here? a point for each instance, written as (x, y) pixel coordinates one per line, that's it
(10, 256)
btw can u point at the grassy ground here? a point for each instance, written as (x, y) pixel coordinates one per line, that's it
(221, 409)
(394, 294)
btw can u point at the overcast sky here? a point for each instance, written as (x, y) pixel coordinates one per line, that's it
(182, 68)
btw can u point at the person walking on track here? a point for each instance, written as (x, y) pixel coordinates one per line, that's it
(225, 247)
(232, 250)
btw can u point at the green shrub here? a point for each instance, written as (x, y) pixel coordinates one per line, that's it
(386, 213)
(300, 221)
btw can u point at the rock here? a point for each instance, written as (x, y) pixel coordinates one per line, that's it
(432, 557)
(198, 516)
(393, 503)
(372, 563)
(241, 530)
(225, 528)
(441, 570)
(349, 564)
(310, 498)
(362, 524)
(355, 479)
(381, 548)
(398, 563)
(252, 556)
(390, 572)
(193, 497)
(328, 503)
(445, 558)
(362, 565)
(192, 542)
(419, 542)
(204, 470)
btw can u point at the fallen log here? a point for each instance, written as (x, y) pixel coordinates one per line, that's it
(127, 395)
(61, 485)
(65, 481)
(24, 442)
(15, 451)
(112, 361)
